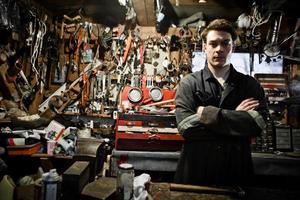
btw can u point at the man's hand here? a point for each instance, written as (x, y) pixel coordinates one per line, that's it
(247, 104)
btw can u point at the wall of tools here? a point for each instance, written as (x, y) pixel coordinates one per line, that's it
(73, 66)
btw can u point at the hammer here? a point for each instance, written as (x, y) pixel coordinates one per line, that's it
(205, 189)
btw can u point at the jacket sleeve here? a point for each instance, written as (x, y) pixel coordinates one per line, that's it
(231, 122)
(218, 120)
(186, 105)
(238, 123)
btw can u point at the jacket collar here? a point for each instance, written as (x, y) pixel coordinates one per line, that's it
(233, 74)
(207, 74)
(230, 83)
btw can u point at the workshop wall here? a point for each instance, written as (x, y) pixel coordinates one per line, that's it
(49, 53)
(72, 65)
(65, 78)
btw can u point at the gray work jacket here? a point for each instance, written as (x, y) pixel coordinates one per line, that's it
(217, 149)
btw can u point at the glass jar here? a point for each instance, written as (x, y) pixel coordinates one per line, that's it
(125, 179)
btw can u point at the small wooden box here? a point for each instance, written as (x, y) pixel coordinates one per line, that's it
(75, 178)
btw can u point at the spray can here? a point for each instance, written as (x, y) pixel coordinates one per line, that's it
(51, 184)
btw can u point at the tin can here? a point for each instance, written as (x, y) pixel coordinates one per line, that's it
(50, 147)
(125, 179)
(51, 184)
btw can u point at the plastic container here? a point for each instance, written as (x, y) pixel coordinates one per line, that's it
(7, 187)
(51, 185)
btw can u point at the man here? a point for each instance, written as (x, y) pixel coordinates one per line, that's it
(218, 110)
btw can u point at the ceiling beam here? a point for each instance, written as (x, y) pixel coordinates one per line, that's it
(144, 12)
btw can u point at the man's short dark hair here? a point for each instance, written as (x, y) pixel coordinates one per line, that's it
(219, 25)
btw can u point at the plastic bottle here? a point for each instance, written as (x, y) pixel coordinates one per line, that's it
(51, 184)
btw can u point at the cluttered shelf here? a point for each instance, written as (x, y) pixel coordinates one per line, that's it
(92, 150)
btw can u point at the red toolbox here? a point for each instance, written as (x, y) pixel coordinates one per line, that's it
(147, 132)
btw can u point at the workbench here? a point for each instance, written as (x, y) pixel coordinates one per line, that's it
(276, 165)
(104, 188)
(264, 163)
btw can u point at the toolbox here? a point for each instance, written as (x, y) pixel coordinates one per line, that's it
(23, 149)
(147, 132)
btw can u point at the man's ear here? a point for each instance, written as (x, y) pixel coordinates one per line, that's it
(233, 46)
(203, 46)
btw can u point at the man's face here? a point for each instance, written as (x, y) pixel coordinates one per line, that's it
(218, 48)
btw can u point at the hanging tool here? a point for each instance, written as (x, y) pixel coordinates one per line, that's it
(85, 93)
(66, 21)
(127, 48)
